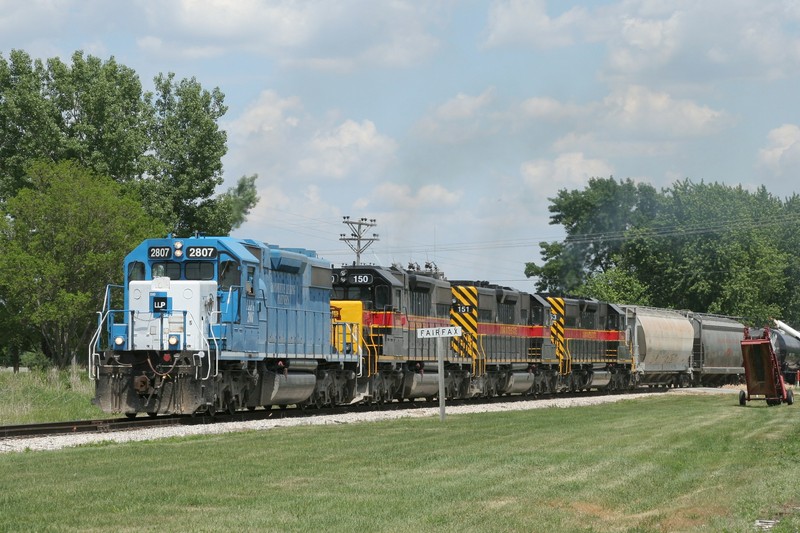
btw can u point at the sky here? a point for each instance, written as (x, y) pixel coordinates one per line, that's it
(452, 123)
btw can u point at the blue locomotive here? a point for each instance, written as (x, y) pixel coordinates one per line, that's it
(208, 324)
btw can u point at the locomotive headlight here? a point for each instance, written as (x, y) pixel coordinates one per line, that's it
(173, 340)
(119, 341)
(178, 253)
(178, 245)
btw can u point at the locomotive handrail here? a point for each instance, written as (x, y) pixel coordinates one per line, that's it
(565, 363)
(480, 356)
(208, 345)
(94, 372)
(93, 355)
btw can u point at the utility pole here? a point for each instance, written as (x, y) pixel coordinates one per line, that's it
(357, 231)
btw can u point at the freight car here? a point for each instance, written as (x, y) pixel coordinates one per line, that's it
(207, 324)
(786, 345)
(679, 348)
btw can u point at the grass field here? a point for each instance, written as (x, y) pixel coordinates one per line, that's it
(46, 396)
(669, 463)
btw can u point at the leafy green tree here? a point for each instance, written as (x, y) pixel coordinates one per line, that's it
(712, 248)
(615, 285)
(168, 147)
(29, 121)
(697, 246)
(188, 147)
(61, 240)
(105, 115)
(596, 220)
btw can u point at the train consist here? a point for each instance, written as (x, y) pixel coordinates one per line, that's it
(209, 324)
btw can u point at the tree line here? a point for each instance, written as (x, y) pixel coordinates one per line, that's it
(704, 247)
(91, 164)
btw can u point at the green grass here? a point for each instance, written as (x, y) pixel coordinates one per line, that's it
(669, 463)
(46, 396)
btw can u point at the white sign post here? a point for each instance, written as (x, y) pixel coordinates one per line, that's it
(437, 333)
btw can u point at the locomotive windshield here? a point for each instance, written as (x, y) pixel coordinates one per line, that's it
(169, 270)
(374, 297)
(192, 270)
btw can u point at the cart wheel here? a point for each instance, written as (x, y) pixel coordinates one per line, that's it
(789, 397)
(742, 397)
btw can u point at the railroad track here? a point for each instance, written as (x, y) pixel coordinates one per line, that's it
(122, 424)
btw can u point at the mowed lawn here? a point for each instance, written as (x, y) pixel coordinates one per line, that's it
(672, 462)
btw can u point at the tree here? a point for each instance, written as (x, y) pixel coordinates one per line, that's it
(29, 121)
(105, 115)
(187, 165)
(713, 248)
(596, 220)
(61, 240)
(703, 247)
(616, 285)
(95, 112)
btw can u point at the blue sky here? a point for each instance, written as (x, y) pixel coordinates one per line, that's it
(452, 122)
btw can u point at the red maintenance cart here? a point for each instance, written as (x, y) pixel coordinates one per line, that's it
(762, 372)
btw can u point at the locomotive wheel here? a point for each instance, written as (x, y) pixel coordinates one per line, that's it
(742, 397)
(319, 400)
(152, 414)
(131, 415)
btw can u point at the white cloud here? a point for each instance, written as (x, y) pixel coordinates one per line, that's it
(339, 152)
(402, 197)
(322, 35)
(269, 116)
(645, 43)
(464, 106)
(782, 154)
(678, 42)
(567, 170)
(551, 109)
(264, 24)
(637, 108)
(631, 121)
(459, 119)
(527, 21)
(699, 42)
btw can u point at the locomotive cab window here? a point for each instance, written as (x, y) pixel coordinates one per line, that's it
(251, 276)
(199, 270)
(382, 297)
(136, 271)
(169, 270)
(228, 274)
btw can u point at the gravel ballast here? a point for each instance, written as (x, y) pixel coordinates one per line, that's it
(65, 441)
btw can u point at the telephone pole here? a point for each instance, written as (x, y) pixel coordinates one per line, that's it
(357, 241)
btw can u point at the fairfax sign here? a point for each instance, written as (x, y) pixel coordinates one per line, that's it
(429, 333)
